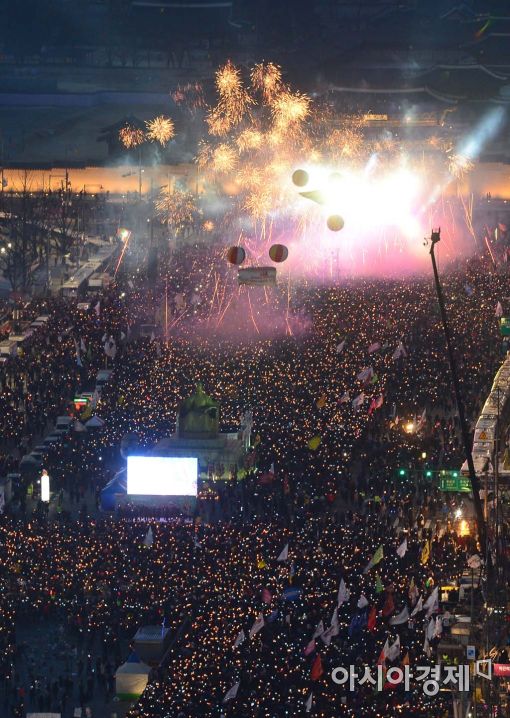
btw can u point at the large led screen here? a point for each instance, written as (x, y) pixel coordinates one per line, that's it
(162, 476)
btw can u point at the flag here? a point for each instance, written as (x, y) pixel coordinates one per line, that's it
(343, 593)
(389, 605)
(399, 351)
(400, 618)
(266, 595)
(358, 401)
(273, 616)
(257, 625)
(291, 594)
(425, 553)
(309, 703)
(310, 648)
(345, 398)
(284, 555)
(340, 347)
(365, 374)
(374, 379)
(358, 622)
(362, 602)
(261, 563)
(241, 637)
(314, 442)
(379, 588)
(431, 605)
(372, 617)
(426, 647)
(79, 361)
(431, 629)
(413, 591)
(319, 630)
(97, 308)
(317, 669)
(499, 310)
(402, 549)
(82, 345)
(405, 660)
(110, 348)
(149, 537)
(376, 558)
(394, 650)
(384, 654)
(321, 402)
(374, 347)
(376, 403)
(421, 420)
(418, 607)
(438, 630)
(232, 693)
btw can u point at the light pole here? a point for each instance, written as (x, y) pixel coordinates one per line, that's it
(475, 486)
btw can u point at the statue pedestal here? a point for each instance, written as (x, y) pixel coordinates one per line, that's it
(218, 457)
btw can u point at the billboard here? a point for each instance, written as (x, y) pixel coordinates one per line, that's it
(257, 276)
(162, 476)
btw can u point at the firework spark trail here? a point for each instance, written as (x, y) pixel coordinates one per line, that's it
(176, 321)
(490, 250)
(251, 314)
(122, 254)
(220, 318)
(211, 307)
(468, 215)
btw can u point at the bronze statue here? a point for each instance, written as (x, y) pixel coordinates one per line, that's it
(199, 416)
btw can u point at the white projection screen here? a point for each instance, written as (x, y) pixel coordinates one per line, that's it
(162, 476)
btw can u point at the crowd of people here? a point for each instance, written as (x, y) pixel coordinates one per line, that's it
(355, 386)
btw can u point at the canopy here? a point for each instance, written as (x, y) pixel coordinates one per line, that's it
(131, 678)
(94, 423)
(118, 485)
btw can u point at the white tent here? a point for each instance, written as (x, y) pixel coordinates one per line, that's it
(95, 423)
(131, 678)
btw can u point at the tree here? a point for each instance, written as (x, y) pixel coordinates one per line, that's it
(21, 235)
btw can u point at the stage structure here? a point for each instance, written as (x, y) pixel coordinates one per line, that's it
(173, 472)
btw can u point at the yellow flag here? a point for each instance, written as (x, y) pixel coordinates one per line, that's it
(314, 442)
(425, 554)
(261, 563)
(321, 403)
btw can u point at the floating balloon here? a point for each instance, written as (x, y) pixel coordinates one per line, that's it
(300, 178)
(278, 252)
(335, 222)
(236, 255)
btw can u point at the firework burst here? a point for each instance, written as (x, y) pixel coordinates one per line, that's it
(190, 96)
(161, 129)
(177, 209)
(224, 159)
(459, 165)
(290, 109)
(131, 136)
(267, 79)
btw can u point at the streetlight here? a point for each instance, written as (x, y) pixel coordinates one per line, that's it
(475, 486)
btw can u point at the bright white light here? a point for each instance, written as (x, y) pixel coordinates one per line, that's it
(45, 487)
(458, 513)
(367, 199)
(162, 476)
